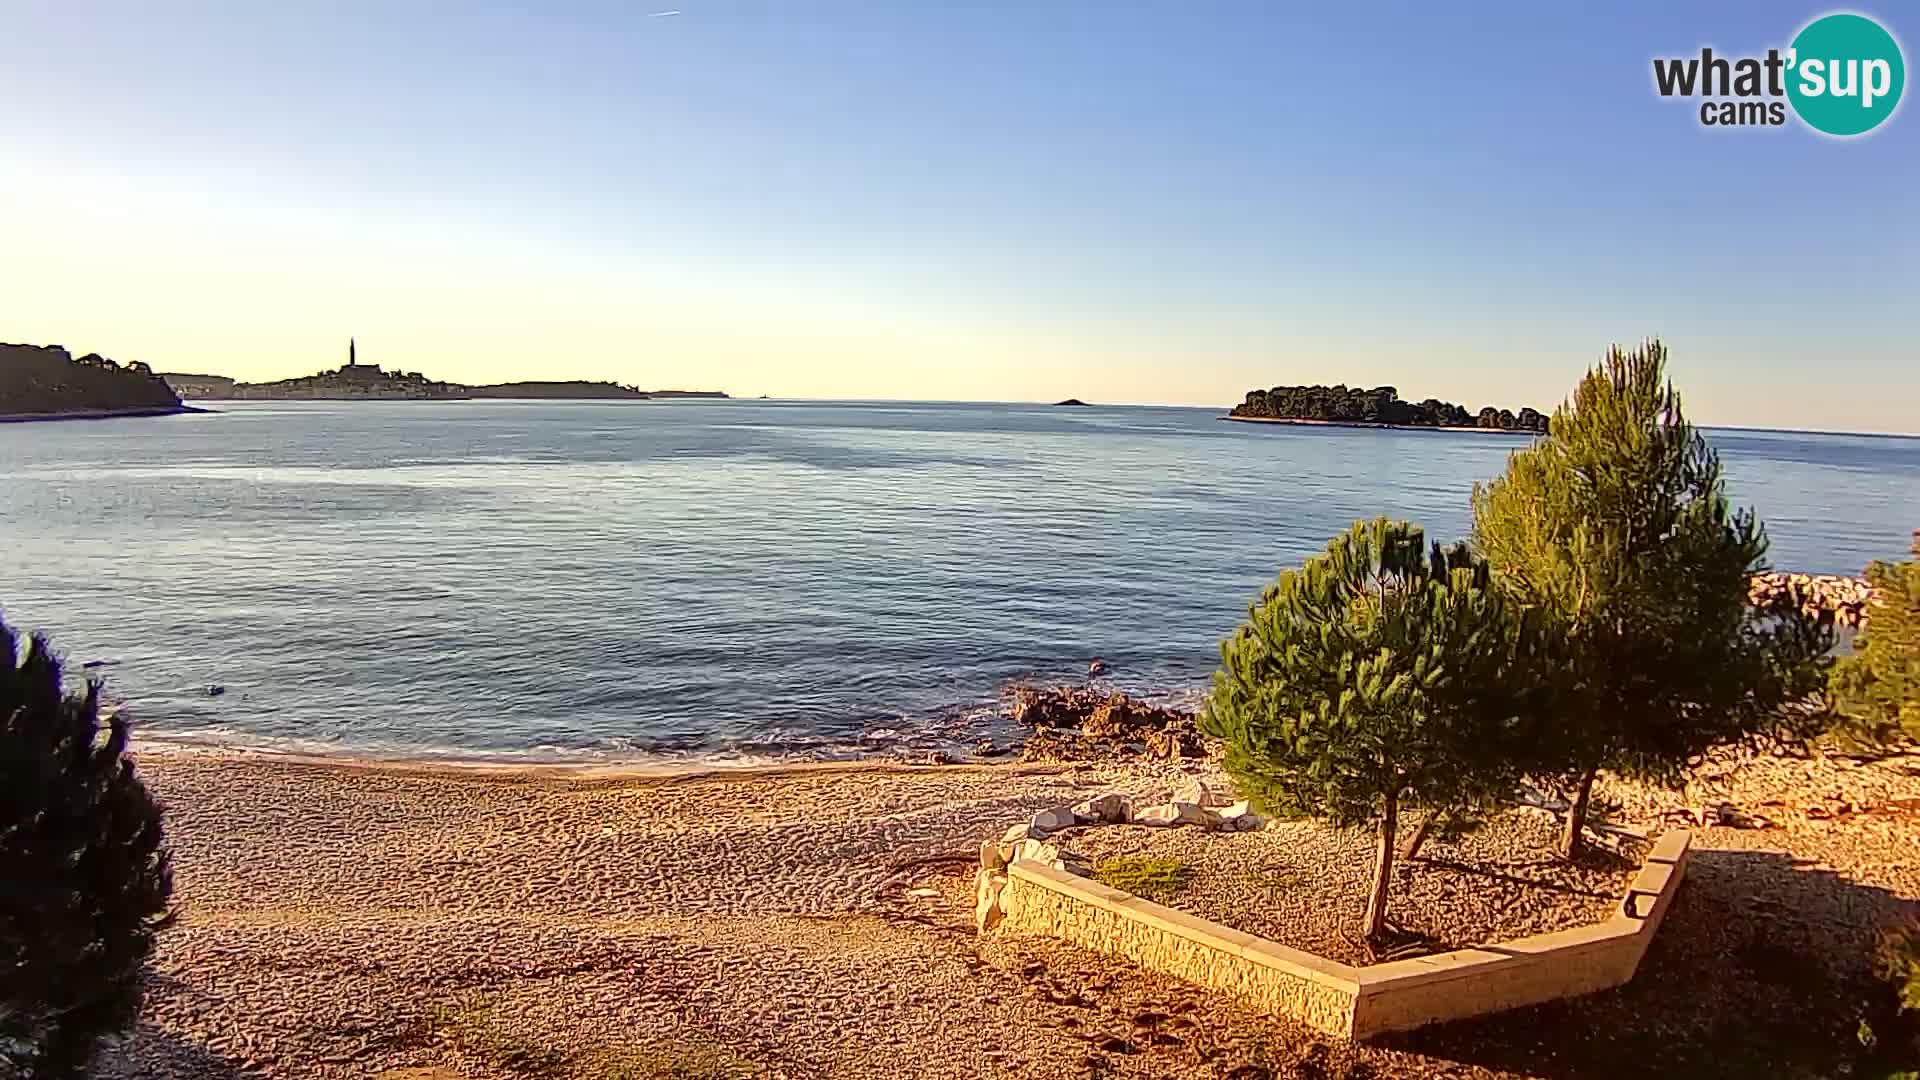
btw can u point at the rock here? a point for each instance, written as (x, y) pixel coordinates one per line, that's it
(1110, 808)
(923, 893)
(987, 889)
(1175, 741)
(987, 748)
(1074, 864)
(990, 856)
(1110, 723)
(1038, 851)
(1051, 821)
(1096, 667)
(1239, 817)
(1201, 793)
(1176, 813)
(1733, 817)
(1015, 833)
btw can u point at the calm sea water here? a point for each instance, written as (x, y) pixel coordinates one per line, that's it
(726, 578)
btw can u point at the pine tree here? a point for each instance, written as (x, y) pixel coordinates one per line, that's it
(1372, 679)
(1877, 689)
(84, 881)
(1616, 531)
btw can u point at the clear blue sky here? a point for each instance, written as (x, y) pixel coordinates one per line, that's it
(1167, 202)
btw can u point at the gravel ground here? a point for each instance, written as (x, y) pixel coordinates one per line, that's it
(341, 921)
(1305, 885)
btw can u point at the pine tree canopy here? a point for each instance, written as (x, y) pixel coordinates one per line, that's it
(1877, 689)
(84, 881)
(1377, 668)
(1615, 530)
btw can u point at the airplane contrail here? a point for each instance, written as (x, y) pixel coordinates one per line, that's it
(663, 14)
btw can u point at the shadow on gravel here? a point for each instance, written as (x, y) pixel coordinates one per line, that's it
(153, 1054)
(1762, 968)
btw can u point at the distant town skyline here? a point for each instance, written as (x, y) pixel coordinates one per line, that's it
(1120, 203)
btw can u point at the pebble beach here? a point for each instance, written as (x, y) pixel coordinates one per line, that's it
(351, 919)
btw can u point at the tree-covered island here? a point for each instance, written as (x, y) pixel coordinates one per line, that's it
(1381, 405)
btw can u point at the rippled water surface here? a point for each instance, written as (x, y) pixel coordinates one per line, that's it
(726, 577)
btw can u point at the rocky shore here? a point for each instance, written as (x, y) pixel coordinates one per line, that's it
(1074, 723)
(1846, 600)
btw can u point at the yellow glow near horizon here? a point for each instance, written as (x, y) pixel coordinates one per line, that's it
(189, 283)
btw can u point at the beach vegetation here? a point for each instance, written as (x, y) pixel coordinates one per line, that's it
(1876, 690)
(472, 1027)
(1615, 533)
(1889, 1032)
(84, 877)
(1154, 877)
(1378, 677)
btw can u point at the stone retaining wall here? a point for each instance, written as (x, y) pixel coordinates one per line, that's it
(1336, 998)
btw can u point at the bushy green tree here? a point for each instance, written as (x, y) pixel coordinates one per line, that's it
(1877, 689)
(1616, 532)
(84, 880)
(1371, 679)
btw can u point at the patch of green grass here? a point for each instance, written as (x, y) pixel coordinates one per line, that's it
(471, 1028)
(1154, 877)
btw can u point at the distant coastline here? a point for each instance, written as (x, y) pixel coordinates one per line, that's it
(46, 382)
(355, 381)
(97, 414)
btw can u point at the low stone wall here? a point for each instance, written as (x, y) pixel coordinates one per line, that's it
(1037, 898)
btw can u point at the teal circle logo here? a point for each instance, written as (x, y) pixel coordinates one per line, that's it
(1845, 74)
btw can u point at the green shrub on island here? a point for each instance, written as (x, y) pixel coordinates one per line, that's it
(1380, 405)
(1876, 690)
(1376, 677)
(1615, 529)
(84, 880)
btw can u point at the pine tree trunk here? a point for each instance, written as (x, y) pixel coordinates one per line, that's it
(1570, 841)
(1376, 919)
(1412, 849)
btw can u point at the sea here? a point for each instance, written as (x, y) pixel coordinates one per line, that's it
(728, 581)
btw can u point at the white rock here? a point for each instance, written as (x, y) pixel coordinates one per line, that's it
(991, 857)
(1111, 807)
(1038, 851)
(988, 885)
(1015, 834)
(1051, 821)
(923, 894)
(1201, 793)
(1239, 817)
(1176, 813)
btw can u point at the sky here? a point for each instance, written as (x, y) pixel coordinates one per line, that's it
(1002, 200)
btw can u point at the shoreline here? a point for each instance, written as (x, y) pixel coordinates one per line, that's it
(1376, 426)
(627, 769)
(98, 414)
